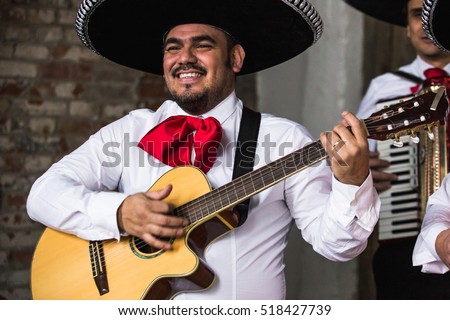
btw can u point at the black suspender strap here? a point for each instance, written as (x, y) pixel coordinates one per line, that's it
(408, 76)
(244, 158)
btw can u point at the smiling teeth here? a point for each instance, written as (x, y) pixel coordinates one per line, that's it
(189, 75)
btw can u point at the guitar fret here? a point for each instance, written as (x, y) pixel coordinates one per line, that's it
(221, 202)
(251, 185)
(236, 194)
(228, 198)
(273, 176)
(262, 182)
(244, 191)
(214, 206)
(231, 194)
(209, 206)
(278, 174)
(205, 208)
(292, 164)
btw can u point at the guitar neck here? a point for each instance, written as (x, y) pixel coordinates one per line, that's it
(247, 185)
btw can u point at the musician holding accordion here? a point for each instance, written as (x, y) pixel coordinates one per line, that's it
(405, 177)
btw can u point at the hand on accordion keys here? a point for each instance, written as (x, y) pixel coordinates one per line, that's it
(381, 180)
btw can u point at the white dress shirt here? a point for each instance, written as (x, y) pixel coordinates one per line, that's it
(81, 193)
(390, 86)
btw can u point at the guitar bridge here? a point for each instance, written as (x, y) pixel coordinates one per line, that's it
(98, 266)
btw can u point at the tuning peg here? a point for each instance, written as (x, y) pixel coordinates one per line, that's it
(430, 132)
(414, 139)
(397, 143)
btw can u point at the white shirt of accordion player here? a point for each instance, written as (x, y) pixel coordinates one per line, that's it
(390, 86)
(437, 219)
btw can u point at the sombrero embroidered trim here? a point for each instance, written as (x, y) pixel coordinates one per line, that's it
(427, 21)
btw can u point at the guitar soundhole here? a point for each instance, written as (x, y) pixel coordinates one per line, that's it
(144, 250)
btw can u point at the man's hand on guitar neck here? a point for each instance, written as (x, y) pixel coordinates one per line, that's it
(146, 216)
(348, 150)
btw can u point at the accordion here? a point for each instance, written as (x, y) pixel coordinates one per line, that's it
(421, 165)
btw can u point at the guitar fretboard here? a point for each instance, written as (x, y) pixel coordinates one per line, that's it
(251, 183)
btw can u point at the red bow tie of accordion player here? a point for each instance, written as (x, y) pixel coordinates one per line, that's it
(173, 140)
(433, 76)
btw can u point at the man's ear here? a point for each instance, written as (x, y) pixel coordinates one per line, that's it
(237, 58)
(408, 31)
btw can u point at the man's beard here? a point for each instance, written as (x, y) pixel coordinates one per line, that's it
(200, 102)
(193, 103)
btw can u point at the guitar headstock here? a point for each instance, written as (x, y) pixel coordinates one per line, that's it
(421, 112)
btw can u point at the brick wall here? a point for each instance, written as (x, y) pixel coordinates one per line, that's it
(54, 93)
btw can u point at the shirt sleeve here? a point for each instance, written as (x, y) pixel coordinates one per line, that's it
(335, 218)
(436, 220)
(79, 194)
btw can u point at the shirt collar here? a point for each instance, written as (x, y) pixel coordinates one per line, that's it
(421, 65)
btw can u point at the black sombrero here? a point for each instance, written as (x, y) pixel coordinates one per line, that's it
(434, 19)
(130, 32)
(391, 11)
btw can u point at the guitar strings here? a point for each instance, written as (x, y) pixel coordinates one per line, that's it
(265, 175)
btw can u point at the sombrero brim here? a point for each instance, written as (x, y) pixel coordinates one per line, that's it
(390, 11)
(435, 17)
(130, 32)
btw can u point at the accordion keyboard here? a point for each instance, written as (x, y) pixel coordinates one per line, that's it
(400, 205)
(420, 168)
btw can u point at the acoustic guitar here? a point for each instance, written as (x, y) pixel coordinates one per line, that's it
(67, 267)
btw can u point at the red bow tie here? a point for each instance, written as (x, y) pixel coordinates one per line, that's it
(433, 76)
(173, 140)
(437, 76)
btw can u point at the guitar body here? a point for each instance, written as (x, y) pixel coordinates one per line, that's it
(67, 267)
